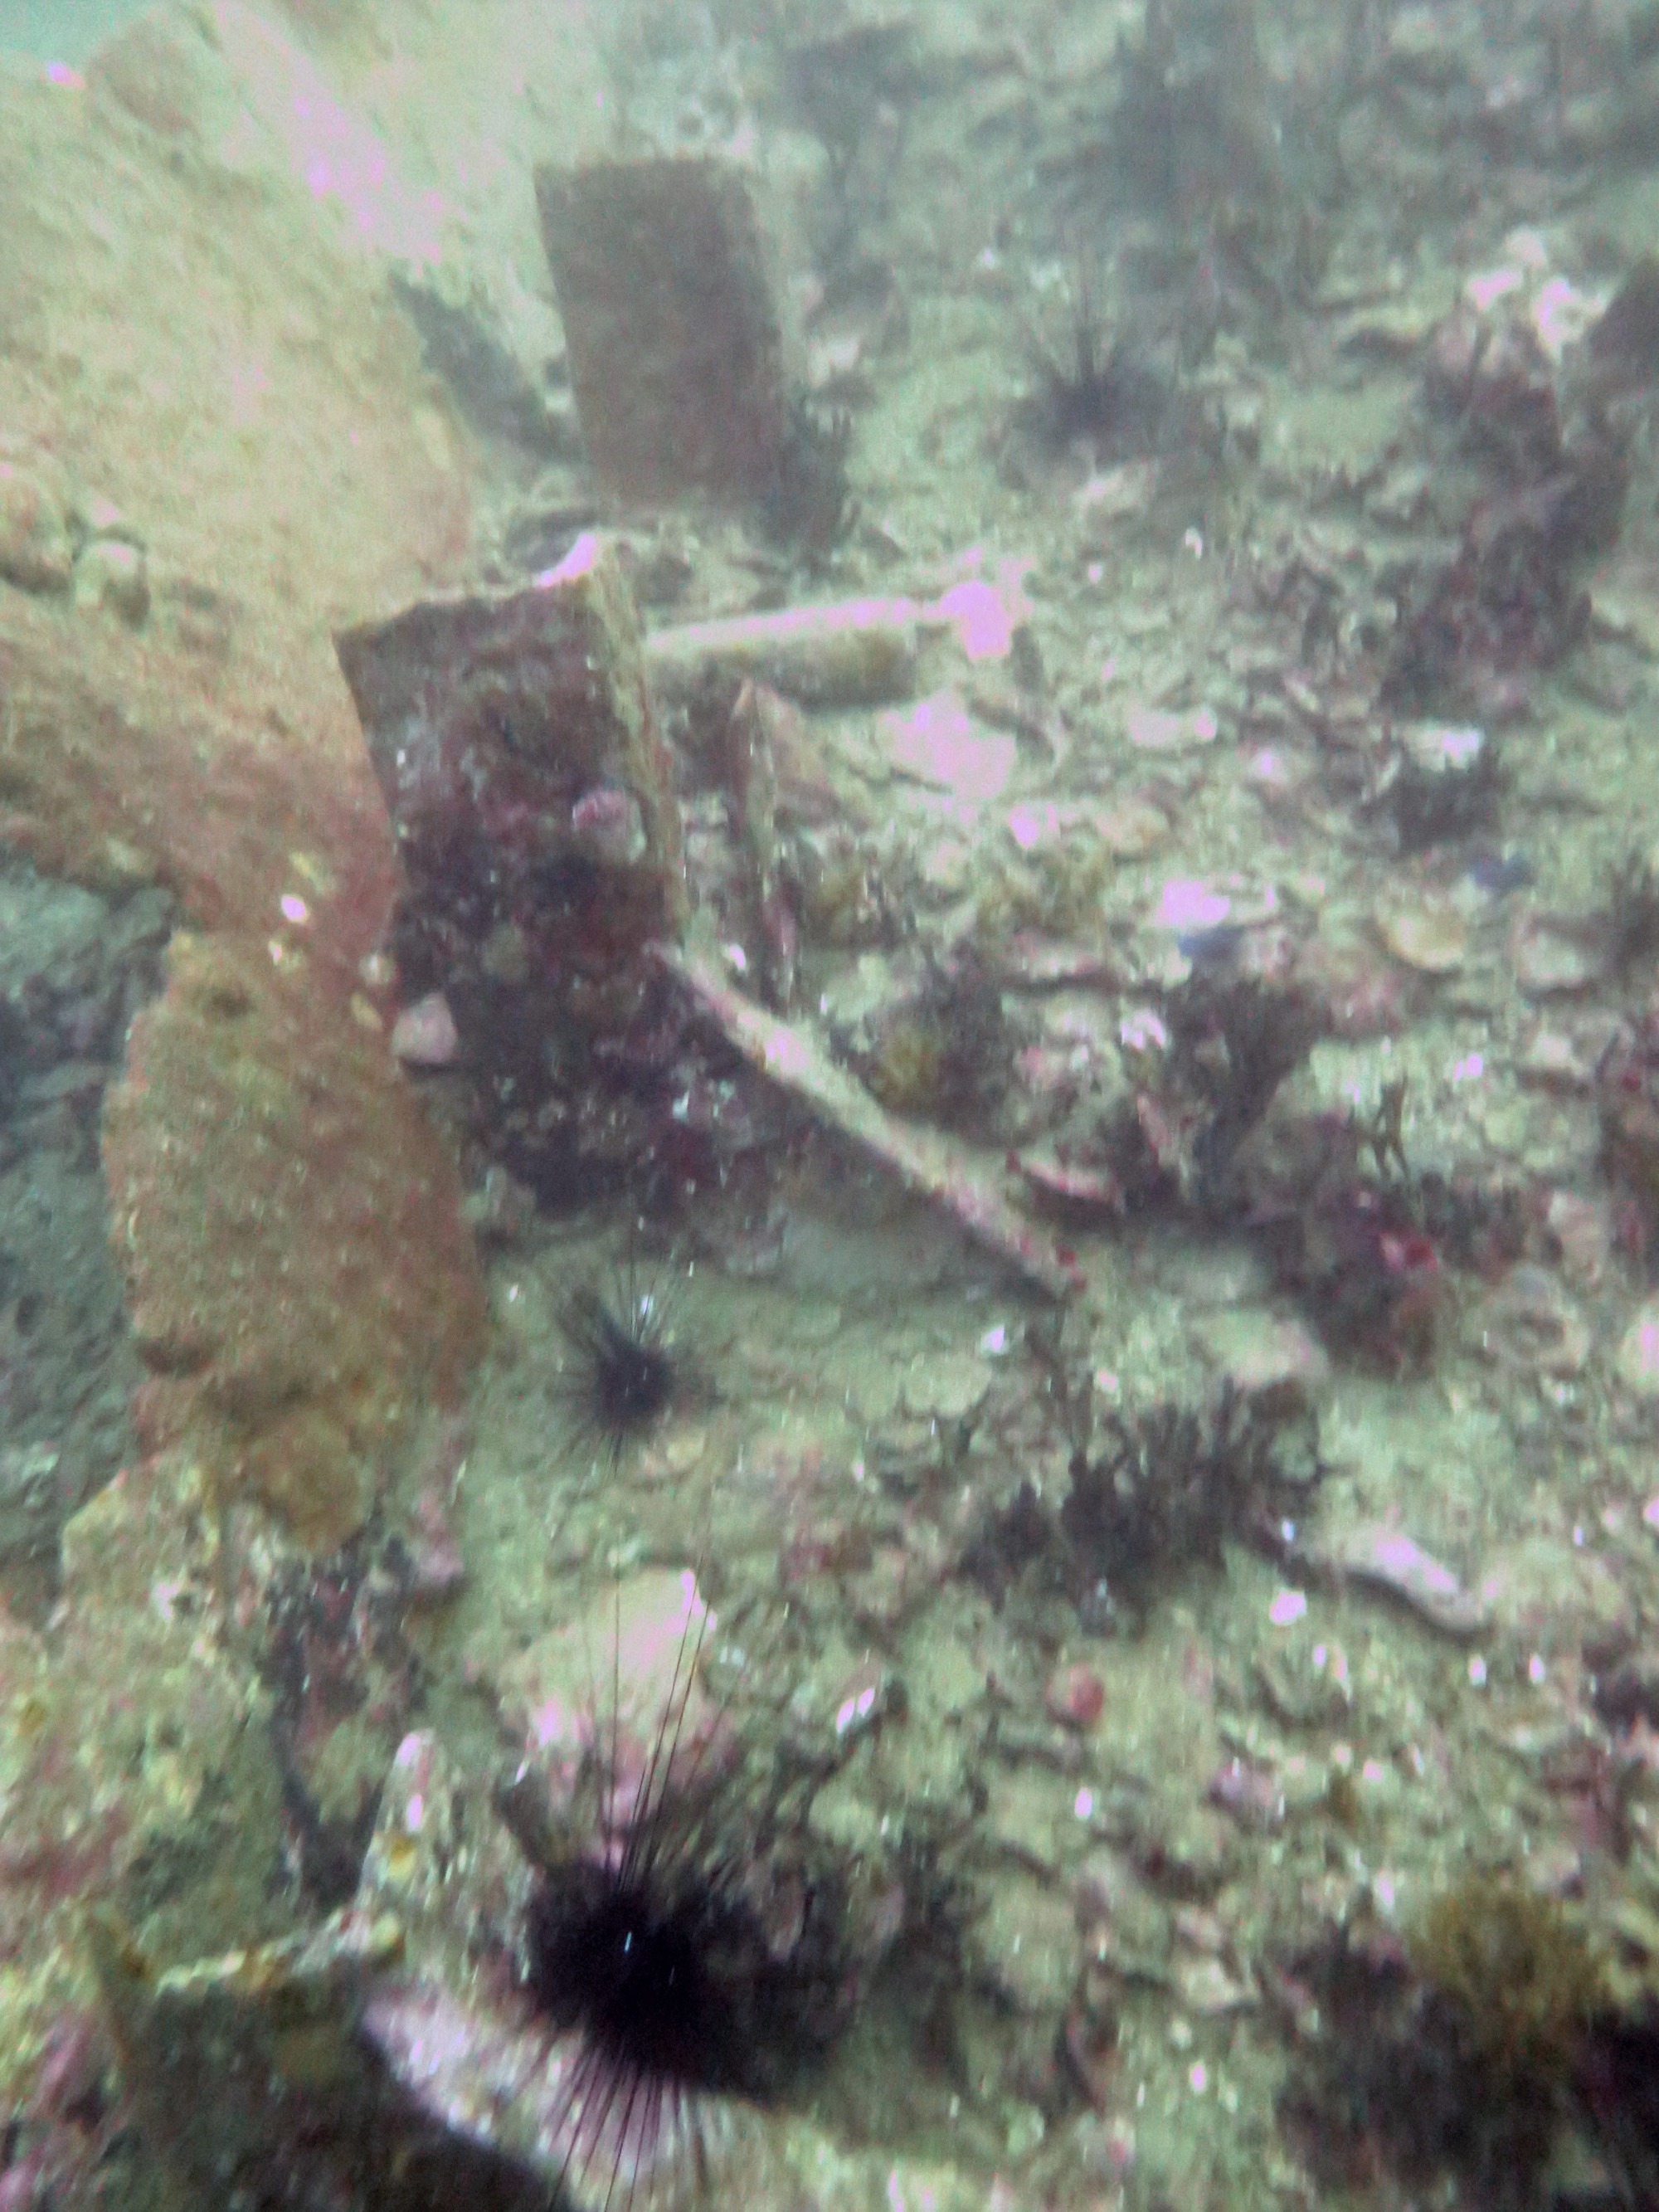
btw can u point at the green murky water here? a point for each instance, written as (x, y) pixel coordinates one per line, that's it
(828, 1105)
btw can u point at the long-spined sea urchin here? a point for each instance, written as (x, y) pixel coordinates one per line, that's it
(681, 1951)
(625, 1371)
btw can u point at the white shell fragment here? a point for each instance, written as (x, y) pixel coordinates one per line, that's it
(1437, 750)
(424, 1035)
(1153, 730)
(1428, 935)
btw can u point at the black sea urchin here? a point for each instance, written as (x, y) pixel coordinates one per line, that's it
(624, 1372)
(683, 1956)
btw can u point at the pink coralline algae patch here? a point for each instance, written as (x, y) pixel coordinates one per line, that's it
(938, 744)
(1188, 905)
(985, 614)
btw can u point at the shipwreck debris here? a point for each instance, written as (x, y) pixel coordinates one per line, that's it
(532, 802)
(850, 653)
(925, 1162)
(1382, 1558)
(676, 348)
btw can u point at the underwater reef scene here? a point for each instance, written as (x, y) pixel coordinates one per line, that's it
(829, 1106)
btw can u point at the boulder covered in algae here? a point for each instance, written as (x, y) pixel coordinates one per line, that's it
(255, 2087)
(174, 713)
(300, 1278)
(134, 1762)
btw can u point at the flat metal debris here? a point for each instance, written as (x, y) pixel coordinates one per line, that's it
(852, 653)
(676, 348)
(932, 1166)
